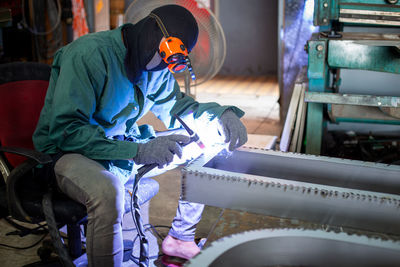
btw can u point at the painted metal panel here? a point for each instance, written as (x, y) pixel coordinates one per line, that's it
(350, 99)
(347, 54)
(371, 12)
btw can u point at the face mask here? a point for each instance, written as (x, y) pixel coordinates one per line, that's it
(156, 63)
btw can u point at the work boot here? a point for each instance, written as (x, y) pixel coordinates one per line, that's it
(172, 246)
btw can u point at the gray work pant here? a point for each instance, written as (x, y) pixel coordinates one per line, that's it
(88, 182)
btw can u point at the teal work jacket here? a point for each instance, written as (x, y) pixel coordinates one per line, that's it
(90, 100)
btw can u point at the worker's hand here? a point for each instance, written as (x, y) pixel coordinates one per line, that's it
(161, 150)
(233, 129)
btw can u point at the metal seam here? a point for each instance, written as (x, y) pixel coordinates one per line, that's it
(305, 190)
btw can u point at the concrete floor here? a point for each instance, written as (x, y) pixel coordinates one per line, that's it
(261, 121)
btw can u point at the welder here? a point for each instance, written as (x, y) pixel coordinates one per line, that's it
(100, 85)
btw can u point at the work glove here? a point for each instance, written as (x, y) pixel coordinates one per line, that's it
(233, 129)
(161, 150)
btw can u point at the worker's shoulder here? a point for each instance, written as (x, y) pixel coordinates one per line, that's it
(91, 44)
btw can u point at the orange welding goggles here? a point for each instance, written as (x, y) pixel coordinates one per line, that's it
(173, 51)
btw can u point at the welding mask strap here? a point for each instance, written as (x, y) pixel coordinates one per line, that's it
(160, 24)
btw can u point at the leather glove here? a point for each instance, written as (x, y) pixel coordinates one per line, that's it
(161, 150)
(233, 129)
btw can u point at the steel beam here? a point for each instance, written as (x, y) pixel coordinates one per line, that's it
(324, 190)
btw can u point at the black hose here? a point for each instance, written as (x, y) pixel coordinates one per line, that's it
(144, 258)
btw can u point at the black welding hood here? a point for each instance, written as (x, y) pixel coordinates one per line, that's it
(143, 38)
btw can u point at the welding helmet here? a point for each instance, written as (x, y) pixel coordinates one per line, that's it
(143, 38)
(173, 51)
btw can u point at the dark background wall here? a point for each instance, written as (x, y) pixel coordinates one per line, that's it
(250, 29)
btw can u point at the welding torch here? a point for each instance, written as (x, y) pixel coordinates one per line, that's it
(193, 138)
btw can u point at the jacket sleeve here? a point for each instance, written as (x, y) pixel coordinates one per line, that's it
(77, 88)
(173, 101)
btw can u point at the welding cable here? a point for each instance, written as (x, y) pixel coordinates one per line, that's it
(144, 257)
(136, 217)
(33, 31)
(27, 247)
(53, 44)
(135, 212)
(23, 231)
(152, 228)
(149, 227)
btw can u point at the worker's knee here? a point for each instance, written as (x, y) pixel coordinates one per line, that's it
(148, 188)
(107, 200)
(89, 183)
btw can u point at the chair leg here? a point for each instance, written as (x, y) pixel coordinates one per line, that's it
(74, 240)
(54, 232)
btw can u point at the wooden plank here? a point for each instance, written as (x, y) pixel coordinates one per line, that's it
(293, 143)
(302, 123)
(290, 118)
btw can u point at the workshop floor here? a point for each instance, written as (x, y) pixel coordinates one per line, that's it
(258, 97)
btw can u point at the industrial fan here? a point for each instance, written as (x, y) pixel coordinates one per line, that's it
(208, 55)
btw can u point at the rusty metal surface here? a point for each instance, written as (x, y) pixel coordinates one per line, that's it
(234, 221)
(337, 192)
(392, 111)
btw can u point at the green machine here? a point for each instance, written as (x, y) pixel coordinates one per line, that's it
(332, 49)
